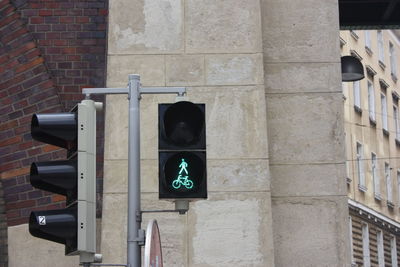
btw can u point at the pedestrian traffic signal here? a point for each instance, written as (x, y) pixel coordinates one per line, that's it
(182, 151)
(75, 178)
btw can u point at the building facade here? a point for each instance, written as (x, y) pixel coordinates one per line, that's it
(372, 134)
(268, 71)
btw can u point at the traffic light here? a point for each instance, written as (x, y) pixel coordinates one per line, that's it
(75, 178)
(182, 151)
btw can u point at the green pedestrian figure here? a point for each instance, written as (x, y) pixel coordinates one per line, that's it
(183, 166)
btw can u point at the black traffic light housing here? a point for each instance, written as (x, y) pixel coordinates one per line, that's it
(182, 151)
(75, 178)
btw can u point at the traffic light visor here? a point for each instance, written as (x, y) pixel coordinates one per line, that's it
(59, 129)
(56, 176)
(54, 225)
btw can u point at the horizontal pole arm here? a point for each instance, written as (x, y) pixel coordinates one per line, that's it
(89, 91)
(163, 90)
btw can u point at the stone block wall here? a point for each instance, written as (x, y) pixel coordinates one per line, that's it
(214, 48)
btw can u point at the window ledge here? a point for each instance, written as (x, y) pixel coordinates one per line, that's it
(369, 51)
(354, 35)
(342, 42)
(362, 188)
(377, 197)
(383, 83)
(390, 204)
(397, 141)
(394, 77)
(358, 109)
(385, 132)
(372, 121)
(381, 64)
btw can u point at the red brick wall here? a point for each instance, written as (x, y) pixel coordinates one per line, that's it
(3, 231)
(49, 51)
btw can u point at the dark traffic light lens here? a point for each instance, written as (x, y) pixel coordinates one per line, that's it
(183, 123)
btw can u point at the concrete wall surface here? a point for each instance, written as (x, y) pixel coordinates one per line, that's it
(24, 250)
(27, 251)
(215, 50)
(274, 200)
(305, 132)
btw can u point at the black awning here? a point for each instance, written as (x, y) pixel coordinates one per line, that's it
(369, 14)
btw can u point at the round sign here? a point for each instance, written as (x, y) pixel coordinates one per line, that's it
(152, 249)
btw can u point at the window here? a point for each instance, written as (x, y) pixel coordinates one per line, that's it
(384, 113)
(393, 250)
(381, 252)
(381, 53)
(360, 168)
(365, 246)
(368, 41)
(388, 183)
(396, 121)
(393, 66)
(375, 178)
(357, 95)
(371, 101)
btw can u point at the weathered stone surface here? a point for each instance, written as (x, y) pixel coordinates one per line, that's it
(238, 175)
(235, 128)
(302, 77)
(307, 179)
(223, 26)
(308, 228)
(115, 176)
(150, 68)
(25, 250)
(305, 128)
(116, 129)
(145, 26)
(300, 31)
(234, 69)
(185, 70)
(114, 227)
(230, 230)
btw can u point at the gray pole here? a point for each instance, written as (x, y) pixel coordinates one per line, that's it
(134, 220)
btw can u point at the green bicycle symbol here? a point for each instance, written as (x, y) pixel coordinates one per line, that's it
(183, 180)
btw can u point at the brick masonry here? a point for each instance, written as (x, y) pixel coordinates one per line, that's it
(3, 230)
(49, 51)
